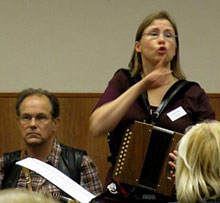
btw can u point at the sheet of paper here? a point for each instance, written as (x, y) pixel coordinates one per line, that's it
(57, 178)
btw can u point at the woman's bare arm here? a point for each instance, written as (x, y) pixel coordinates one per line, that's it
(105, 118)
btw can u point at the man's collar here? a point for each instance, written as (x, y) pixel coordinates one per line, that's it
(53, 156)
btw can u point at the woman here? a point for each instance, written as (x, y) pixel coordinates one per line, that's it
(198, 164)
(155, 68)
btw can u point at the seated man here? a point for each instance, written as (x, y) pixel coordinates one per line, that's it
(38, 118)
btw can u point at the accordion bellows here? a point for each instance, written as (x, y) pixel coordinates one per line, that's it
(143, 158)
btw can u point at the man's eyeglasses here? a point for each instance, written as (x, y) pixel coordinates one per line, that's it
(39, 118)
(155, 35)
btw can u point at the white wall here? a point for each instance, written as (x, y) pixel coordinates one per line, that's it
(77, 45)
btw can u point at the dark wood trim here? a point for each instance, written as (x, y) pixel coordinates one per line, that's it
(213, 95)
(58, 94)
(80, 95)
(77, 95)
(8, 95)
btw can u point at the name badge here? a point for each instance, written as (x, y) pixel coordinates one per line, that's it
(176, 113)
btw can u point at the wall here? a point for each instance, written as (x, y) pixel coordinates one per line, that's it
(76, 45)
(75, 111)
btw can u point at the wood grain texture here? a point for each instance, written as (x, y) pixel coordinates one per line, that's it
(73, 131)
(75, 111)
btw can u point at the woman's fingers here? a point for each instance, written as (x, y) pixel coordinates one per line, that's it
(173, 155)
(163, 62)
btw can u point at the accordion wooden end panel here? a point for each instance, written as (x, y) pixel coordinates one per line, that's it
(143, 158)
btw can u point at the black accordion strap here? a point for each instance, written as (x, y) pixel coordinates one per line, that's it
(143, 98)
(170, 94)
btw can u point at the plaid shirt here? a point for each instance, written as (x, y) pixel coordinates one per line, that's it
(89, 175)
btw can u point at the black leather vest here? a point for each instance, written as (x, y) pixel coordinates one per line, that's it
(69, 163)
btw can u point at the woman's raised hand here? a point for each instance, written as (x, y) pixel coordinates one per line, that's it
(160, 75)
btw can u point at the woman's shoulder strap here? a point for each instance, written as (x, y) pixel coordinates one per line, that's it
(178, 86)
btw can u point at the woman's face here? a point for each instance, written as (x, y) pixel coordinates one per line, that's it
(158, 39)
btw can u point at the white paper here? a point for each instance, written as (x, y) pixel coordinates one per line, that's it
(57, 178)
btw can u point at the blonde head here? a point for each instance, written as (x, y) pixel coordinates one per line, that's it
(23, 196)
(198, 163)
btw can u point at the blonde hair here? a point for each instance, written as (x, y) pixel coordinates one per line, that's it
(23, 196)
(135, 63)
(198, 164)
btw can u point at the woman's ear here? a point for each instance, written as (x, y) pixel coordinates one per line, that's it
(137, 46)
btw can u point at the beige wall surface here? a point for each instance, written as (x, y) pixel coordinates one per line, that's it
(77, 45)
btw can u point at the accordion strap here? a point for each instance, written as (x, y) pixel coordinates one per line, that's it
(176, 88)
(170, 94)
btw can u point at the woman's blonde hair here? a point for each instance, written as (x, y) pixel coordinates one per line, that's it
(135, 63)
(198, 164)
(23, 196)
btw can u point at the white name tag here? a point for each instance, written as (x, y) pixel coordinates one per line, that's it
(176, 113)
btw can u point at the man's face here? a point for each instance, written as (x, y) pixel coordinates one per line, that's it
(35, 121)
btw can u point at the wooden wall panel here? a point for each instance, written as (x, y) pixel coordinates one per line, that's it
(75, 111)
(73, 130)
(215, 102)
(9, 134)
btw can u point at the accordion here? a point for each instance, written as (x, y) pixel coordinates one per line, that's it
(143, 158)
